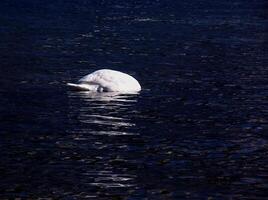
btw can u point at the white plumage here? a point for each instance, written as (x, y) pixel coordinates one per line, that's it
(106, 80)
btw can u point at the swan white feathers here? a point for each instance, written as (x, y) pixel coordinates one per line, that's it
(106, 80)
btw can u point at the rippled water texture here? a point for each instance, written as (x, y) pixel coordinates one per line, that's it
(197, 130)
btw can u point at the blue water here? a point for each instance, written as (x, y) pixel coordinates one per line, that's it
(197, 130)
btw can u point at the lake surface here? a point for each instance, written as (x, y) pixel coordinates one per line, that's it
(197, 130)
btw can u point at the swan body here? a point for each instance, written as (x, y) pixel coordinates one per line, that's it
(106, 80)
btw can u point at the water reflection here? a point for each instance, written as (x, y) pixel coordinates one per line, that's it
(107, 111)
(101, 119)
(104, 96)
(108, 179)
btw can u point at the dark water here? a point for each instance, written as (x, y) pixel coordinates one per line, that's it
(197, 130)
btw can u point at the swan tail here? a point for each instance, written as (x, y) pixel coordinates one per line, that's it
(82, 87)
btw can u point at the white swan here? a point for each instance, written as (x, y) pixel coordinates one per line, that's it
(106, 80)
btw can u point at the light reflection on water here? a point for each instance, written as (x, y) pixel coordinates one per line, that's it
(102, 115)
(106, 110)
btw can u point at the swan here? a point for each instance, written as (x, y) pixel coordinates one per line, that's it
(106, 80)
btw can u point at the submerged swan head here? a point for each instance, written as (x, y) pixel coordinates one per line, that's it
(106, 80)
